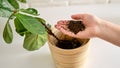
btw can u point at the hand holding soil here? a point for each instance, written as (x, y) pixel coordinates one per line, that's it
(86, 28)
(94, 27)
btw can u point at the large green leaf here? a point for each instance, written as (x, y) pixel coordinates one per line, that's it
(7, 33)
(23, 1)
(43, 21)
(6, 4)
(20, 29)
(31, 24)
(5, 13)
(5, 8)
(34, 41)
(30, 11)
(1, 2)
(14, 3)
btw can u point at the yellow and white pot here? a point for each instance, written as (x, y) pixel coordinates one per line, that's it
(68, 58)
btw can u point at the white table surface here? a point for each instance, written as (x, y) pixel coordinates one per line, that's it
(101, 54)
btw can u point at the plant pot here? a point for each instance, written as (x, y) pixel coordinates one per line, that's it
(68, 58)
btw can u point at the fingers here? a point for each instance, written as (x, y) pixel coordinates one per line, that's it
(77, 16)
(63, 27)
(78, 35)
(81, 16)
(67, 32)
(61, 24)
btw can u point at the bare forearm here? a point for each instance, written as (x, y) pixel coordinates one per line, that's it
(110, 32)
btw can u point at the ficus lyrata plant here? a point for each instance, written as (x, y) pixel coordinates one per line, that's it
(26, 22)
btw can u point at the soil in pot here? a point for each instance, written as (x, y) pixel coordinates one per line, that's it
(75, 27)
(68, 52)
(68, 44)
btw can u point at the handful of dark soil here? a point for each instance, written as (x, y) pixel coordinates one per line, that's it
(75, 26)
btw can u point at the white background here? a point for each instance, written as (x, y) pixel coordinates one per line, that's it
(51, 3)
(101, 54)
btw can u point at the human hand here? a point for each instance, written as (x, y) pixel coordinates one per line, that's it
(91, 22)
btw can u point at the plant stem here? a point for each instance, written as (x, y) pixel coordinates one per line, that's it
(10, 17)
(49, 31)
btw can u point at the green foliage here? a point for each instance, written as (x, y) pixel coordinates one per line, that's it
(31, 11)
(34, 41)
(26, 24)
(41, 20)
(31, 24)
(1, 2)
(14, 3)
(7, 33)
(6, 4)
(35, 33)
(20, 29)
(4, 13)
(23, 1)
(6, 9)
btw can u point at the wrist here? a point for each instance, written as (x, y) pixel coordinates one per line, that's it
(102, 28)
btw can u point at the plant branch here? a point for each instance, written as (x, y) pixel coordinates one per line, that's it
(49, 31)
(10, 17)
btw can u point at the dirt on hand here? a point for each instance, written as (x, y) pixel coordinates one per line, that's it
(75, 26)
